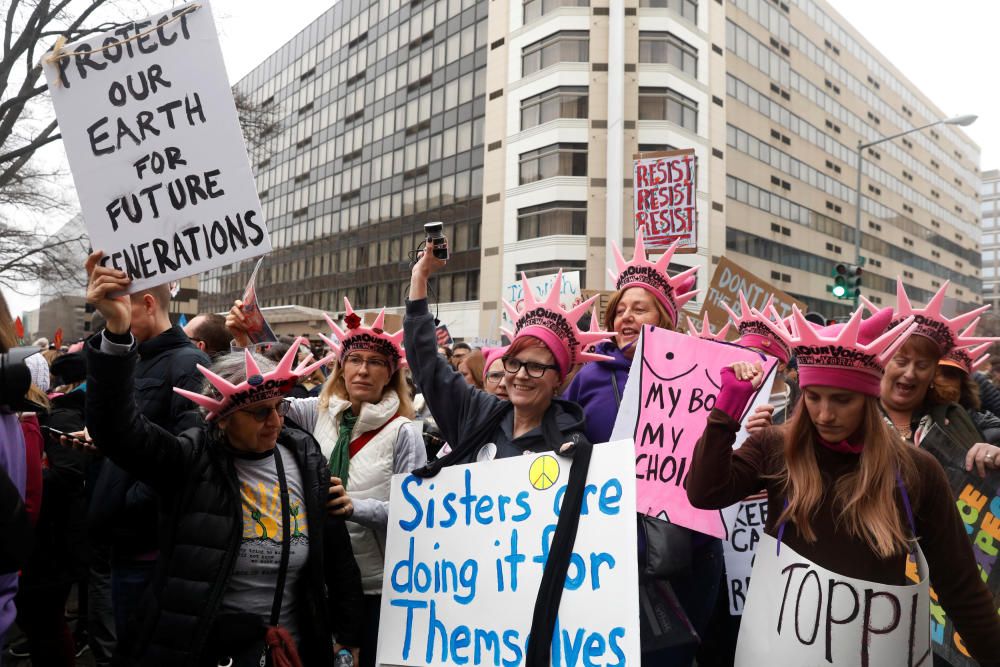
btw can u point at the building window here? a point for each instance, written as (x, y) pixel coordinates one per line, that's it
(534, 9)
(686, 8)
(664, 47)
(567, 46)
(553, 218)
(667, 104)
(561, 102)
(553, 160)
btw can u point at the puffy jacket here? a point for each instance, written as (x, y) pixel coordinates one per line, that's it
(195, 480)
(123, 509)
(989, 395)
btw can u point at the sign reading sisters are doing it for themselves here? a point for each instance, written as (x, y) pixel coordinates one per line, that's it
(465, 554)
(155, 147)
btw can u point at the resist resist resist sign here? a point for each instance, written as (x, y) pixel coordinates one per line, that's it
(672, 387)
(666, 198)
(465, 554)
(155, 147)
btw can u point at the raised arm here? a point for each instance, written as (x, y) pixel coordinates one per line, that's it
(118, 429)
(454, 403)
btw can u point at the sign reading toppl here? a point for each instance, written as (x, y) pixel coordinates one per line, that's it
(465, 554)
(155, 147)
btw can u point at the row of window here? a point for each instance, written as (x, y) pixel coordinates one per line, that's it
(573, 46)
(551, 219)
(535, 9)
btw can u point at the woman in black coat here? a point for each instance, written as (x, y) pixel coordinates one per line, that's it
(243, 510)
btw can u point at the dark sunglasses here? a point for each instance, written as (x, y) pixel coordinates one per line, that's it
(262, 413)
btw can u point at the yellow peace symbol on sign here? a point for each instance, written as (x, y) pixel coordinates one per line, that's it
(544, 472)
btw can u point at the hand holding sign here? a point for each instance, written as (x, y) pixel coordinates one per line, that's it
(103, 283)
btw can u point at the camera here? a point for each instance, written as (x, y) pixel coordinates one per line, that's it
(15, 378)
(435, 234)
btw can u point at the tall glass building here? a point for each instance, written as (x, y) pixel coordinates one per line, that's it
(381, 108)
(989, 199)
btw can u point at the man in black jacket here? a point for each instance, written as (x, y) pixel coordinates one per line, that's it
(123, 512)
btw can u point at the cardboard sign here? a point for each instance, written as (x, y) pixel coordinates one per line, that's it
(978, 501)
(672, 387)
(570, 296)
(465, 553)
(155, 147)
(744, 523)
(666, 198)
(729, 280)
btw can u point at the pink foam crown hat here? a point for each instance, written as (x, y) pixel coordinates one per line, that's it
(931, 323)
(972, 357)
(756, 328)
(258, 387)
(849, 356)
(671, 291)
(359, 337)
(705, 333)
(555, 326)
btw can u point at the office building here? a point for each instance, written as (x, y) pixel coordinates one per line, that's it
(989, 202)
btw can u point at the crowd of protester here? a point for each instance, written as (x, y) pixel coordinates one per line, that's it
(180, 495)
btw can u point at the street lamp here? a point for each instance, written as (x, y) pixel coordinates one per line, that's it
(967, 119)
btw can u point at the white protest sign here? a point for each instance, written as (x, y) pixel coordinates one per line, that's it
(465, 554)
(569, 295)
(799, 613)
(155, 147)
(666, 198)
(744, 528)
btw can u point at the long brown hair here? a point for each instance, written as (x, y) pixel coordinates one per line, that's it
(336, 386)
(866, 498)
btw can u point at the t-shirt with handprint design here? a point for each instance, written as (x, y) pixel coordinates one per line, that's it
(251, 587)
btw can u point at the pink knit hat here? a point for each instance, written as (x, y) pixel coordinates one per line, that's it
(671, 291)
(755, 333)
(556, 327)
(706, 330)
(491, 354)
(257, 388)
(848, 356)
(359, 337)
(931, 323)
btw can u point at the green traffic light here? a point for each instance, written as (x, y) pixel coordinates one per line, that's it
(839, 291)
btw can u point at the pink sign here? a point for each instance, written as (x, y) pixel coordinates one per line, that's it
(672, 387)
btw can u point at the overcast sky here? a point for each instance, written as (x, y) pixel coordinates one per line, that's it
(948, 49)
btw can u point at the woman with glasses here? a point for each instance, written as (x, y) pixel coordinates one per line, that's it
(494, 373)
(362, 420)
(250, 561)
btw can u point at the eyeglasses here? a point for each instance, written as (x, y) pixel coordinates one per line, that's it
(494, 377)
(262, 413)
(356, 361)
(534, 369)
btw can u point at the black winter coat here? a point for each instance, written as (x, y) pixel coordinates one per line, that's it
(123, 509)
(202, 520)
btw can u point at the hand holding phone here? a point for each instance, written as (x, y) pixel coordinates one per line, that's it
(435, 235)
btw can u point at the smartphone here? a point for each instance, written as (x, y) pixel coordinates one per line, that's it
(56, 433)
(435, 234)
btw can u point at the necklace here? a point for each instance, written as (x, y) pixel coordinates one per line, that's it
(904, 429)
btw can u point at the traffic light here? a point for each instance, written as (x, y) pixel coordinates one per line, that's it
(846, 281)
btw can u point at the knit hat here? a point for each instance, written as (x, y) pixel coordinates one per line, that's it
(848, 356)
(491, 354)
(930, 322)
(756, 328)
(556, 327)
(70, 367)
(257, 388)
(671, 291)
(706, 330)
(359, 337)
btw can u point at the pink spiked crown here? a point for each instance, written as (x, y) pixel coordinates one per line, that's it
(705, 333)
(359, 337)
(756, 328)
(848, 356)
(556, 327)
(931, 323)
(257, 388)
(972, 357)
(671, 291)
